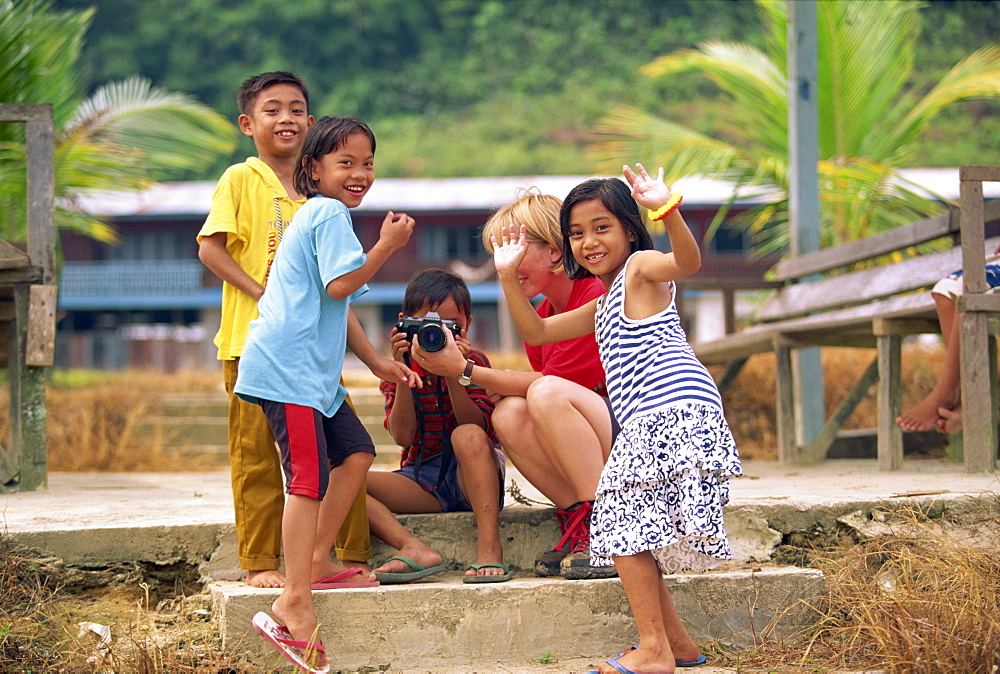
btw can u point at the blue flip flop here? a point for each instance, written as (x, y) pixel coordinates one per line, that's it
(390, 578)
(617, 665)
(678, 663)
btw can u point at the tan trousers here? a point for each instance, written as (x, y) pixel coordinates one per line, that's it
(258, 492)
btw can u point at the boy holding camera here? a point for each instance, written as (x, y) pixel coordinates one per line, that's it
(450, 461)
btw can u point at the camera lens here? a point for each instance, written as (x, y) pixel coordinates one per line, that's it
(431, 337)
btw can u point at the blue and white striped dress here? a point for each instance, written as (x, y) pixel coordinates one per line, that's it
(666, 481)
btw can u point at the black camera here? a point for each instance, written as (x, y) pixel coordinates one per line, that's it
(429, 331)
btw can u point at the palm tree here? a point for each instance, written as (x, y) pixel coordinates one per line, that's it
(868, 118)
(119, 138)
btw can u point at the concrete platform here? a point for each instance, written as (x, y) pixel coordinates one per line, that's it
(99, 519)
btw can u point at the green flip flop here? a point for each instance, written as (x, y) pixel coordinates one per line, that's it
(496, 578)
(388, 578)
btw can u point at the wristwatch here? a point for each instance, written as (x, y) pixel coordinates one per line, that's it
(465, 378)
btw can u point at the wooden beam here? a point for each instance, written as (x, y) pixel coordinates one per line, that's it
(816, 450)
(980, 173)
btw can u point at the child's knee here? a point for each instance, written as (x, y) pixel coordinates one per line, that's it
(470, 440)
(358, 461)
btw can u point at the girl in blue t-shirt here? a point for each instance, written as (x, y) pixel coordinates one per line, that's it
(292, 361)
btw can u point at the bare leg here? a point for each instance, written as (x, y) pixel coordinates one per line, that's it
(924, 415)
(643, 586)
(345, 481)
(392, 492)
(479, 478)
(558, 438)
(294, 607)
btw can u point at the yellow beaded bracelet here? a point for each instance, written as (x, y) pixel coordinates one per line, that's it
(666, 209)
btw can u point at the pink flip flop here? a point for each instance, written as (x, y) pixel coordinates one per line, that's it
(293, 650)
(340, 580)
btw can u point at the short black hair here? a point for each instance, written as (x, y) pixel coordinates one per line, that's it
(322, 138)
(251, 89)
(433, 287)
(616, 196)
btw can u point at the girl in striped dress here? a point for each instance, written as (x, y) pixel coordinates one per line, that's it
(660, 498)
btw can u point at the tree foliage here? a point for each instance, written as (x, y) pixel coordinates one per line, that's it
(486, 87)
(119, 138)
(870, 116)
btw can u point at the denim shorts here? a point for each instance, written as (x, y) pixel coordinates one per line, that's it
(449, 494)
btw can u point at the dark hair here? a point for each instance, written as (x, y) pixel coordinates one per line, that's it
(616, 196)
(433, 287)
(322, 138)
(251, 89)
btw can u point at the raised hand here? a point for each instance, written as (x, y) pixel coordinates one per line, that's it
(396, 229)
(648, 192)
(511, 249)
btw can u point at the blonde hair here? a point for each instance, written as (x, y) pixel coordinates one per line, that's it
(538, 212)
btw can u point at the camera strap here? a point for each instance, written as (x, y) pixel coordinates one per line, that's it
(446, 450)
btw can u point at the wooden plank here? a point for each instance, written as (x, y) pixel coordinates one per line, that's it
(905, 326)
(890, 435)
(25, 112)
(890, 241)
(866, 248)
(40, 343)
(12, 257)
(980, 173)
(12, 277)
(864, 286)
(982, 302)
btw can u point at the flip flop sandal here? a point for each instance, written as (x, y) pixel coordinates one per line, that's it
(294, 651)
(340, 580)
(494, 578)
(678, 663)
(389, 578)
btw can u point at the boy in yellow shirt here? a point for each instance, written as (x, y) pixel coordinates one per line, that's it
(253, 204)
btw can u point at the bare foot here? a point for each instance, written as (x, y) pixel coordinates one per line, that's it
(266, 578)
(351, 564)
(418, 552)
(489, 553)
(642, 660)
(297, 615)
(321, 570)
(923, 416)
(950, 421)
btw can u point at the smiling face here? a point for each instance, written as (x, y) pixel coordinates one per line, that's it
(599, 241)
(535, 271)
(348, 172)
(277, 121)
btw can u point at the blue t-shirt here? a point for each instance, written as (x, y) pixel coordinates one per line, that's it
(294, 351)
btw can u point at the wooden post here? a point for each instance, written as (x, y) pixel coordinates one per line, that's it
(785, 406)
(890, 435)
(28, 427)
(978, 406)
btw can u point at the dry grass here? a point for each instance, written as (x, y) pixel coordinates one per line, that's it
(51, 615)
(749, 402)
(100, 421)
(917, 597)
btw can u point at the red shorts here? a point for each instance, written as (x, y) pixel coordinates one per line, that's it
(311, 444)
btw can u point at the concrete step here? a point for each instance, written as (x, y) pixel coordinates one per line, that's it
(447, 624)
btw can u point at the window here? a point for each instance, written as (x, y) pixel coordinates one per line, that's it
(438, 244)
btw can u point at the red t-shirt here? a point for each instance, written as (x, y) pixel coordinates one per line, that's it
(574, 359)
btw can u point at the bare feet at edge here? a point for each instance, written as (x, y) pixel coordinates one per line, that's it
(923, 416)
(299, 619)
(321, 570)
(266, 578)
(418, 552)
(489, 553)
(949, 421)
(642, 660)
